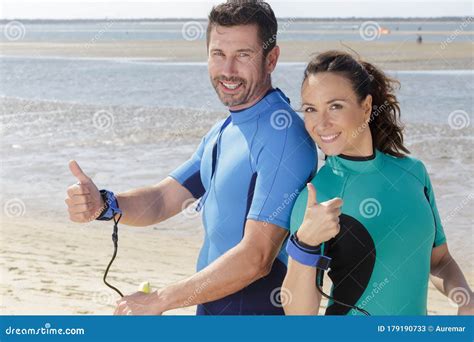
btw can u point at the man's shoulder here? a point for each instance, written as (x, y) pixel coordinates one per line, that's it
(280, 118)
(280, 124)
(214, 130)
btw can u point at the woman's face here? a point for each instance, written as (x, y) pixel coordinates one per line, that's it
(334, 117)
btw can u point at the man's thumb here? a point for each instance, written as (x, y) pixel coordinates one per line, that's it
(311, 195)
(78, 173)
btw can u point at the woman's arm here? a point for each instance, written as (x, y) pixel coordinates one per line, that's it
(320, 224)
(299, 289)
(448, 278)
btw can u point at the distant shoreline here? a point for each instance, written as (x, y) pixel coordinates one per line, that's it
(343, 19)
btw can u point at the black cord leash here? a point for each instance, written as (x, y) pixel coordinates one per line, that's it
(320, 290)
(115, 241)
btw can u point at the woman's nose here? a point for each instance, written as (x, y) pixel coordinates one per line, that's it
(324, 121)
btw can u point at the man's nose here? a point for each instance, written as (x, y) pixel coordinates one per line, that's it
(229, 69)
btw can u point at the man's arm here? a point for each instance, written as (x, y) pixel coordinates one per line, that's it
(250, 260)
(140, 207)
(448, 278)
(150, 205)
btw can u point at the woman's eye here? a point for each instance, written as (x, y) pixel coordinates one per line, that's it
(309, 110)
(336, 106)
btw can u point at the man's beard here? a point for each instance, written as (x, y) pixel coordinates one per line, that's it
(231, 100)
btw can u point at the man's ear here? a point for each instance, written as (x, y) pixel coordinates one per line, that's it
(272, 59)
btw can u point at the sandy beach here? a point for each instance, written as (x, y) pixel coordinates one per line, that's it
(56, 268)
(389, 55)
(50, 265)
(66, 99)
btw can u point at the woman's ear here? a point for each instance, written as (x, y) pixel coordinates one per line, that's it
(367, 105)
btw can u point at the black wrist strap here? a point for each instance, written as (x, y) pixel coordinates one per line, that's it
(306, 246)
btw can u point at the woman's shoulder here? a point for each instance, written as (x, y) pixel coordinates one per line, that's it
(408, 164)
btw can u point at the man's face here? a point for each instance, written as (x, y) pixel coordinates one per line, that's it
(238, 70)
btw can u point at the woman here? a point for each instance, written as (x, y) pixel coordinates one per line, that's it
(373, 218)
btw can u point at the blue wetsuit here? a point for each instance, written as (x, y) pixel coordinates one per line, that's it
(251, 165)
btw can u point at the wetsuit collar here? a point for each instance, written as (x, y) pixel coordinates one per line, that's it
(369, 164)
(252, 113)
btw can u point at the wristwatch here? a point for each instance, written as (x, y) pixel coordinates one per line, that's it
(111, 207)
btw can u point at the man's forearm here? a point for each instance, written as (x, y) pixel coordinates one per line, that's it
(230, 273)
(150, 205)
(141, 207)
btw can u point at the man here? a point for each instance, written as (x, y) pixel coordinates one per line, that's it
(247, 171)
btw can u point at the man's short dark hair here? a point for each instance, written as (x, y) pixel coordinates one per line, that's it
(246, 12)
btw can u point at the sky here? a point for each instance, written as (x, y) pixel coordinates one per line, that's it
(93, 9)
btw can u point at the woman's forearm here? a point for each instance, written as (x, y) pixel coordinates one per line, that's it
(448, 278)
(302, 298)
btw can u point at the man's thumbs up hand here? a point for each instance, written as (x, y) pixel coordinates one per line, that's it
(83, 200)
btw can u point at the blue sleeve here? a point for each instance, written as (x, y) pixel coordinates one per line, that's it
(285, 163)
(189, 173)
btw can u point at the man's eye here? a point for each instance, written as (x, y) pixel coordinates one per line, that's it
(242, 54)
(217, 53)
(336, 106)
(309, 110)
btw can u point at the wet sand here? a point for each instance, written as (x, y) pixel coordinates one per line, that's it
(391, 56)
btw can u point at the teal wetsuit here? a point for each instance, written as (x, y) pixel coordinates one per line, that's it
(389, 226)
